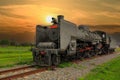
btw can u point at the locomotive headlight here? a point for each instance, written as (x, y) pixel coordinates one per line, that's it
(103, 35)
(49, 19)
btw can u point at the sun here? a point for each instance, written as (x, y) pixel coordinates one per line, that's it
(48, 19)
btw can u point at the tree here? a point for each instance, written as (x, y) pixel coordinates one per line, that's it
(4, 42)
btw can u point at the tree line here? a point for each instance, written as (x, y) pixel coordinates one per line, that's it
(14, 43)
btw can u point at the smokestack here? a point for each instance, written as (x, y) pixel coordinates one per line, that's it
(60, 17)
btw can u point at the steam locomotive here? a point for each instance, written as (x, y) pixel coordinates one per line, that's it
(64, 39)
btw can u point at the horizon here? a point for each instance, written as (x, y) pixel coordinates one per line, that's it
(30, 36)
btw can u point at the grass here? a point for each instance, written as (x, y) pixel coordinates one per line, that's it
(78, 66)
(70, 64)
(11, 55)
(14, 49)
(117, 50)
(107, 71)
(65, 64)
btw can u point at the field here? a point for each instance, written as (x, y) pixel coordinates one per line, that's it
(11, 55)
(107, 71)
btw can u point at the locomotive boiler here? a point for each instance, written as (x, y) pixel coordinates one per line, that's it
(65, 39)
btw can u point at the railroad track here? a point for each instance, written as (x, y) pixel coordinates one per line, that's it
(15, 69)
(36, 70)
(23, 74)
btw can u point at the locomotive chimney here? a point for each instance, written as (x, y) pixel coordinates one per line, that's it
(60, 17)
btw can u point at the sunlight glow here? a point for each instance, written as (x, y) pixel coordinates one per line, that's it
(48, 19)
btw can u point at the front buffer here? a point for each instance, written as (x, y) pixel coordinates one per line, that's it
(46, 57)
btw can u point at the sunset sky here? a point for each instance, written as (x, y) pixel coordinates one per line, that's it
(19, 17)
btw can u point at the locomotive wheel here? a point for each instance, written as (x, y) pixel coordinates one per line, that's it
(92, 53)
(34, 56)
(88, 54)
(79, 55)
(96, 52)
(83, 56)
(55, 59)
(104, 50)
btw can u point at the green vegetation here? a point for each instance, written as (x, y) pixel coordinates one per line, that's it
(78, 66)
(11, 55)
(117, 49)
(65, 64)
(70, 64)
(107, 71)
(4, 42)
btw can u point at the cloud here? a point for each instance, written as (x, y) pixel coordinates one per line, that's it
(77, 11)
(111, 7)
(106, 28)
(114, 15)
(9, 13)
(13, 2)
(22, 2)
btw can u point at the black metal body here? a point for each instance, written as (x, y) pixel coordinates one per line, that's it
(52, 44)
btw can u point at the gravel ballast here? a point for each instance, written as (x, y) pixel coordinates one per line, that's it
(73, 72)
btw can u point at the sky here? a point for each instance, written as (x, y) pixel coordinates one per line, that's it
(19, 17)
